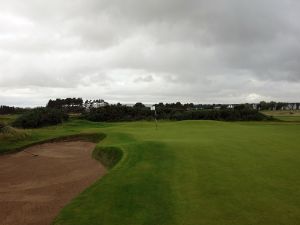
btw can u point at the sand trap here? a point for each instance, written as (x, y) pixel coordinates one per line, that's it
(33, 189)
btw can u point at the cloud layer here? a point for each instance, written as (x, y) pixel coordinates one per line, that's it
(214, 51)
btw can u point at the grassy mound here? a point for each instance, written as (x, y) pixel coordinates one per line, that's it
(284, 115)
(8, 119)
(7, 132)
(108, 156)
(92, 137)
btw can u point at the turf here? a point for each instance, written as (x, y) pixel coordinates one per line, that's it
(284, 115)
(73, 129)
(191, 173)
(8, 118)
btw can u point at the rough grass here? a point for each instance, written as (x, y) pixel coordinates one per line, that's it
(9, 118)
(9, 133)
(191, 173)
(76, 129)
(284, 115)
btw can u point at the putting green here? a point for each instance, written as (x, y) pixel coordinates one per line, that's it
(193, 173)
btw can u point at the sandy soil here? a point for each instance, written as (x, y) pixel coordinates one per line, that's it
(33, 189)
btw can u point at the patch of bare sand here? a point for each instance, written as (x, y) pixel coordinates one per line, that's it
(33, 189)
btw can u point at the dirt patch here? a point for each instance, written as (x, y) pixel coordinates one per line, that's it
(36, 183)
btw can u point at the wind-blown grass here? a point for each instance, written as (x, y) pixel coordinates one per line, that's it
(9, 133)
(287, 116)
(75, 129)
(8, 118)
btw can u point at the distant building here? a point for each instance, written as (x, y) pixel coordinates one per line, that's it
(289, 106)
(295, 106)
(94, 104)
(99, 104)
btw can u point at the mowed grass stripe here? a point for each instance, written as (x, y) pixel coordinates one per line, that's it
(140, 195)
(238, 182)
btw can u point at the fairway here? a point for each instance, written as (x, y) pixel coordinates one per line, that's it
(188, 173)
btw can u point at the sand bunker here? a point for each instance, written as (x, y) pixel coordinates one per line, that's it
(36, 183)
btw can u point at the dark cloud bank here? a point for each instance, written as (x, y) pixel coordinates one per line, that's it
(198, 51)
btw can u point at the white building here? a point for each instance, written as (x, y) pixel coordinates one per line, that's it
(99, 104)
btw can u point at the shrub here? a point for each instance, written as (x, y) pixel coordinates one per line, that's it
(40, 117)
(223, 114)
(118, 113)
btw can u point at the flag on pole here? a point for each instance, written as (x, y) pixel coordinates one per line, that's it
(153, 109)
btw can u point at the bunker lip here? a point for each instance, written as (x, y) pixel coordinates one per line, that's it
(90, 137)
(35, 184)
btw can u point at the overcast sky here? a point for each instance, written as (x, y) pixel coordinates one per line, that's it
(213, 51)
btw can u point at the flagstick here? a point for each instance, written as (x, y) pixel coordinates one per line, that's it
(155, 119)
(155, 115)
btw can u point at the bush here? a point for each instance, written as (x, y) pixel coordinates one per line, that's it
(40, 117)
(223, 114)
(118, 113)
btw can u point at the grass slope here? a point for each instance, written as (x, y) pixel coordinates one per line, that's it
(190, 173)
(8, 118)
(287, 116)
(75, 128)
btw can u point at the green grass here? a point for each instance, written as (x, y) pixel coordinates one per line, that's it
(8, 118)
(189, 173)
(84, 129)
(109, 156)
(287, 116)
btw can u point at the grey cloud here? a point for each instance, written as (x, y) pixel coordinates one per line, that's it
(148, 78)
(227, 51)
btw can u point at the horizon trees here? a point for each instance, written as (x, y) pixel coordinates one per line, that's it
(70, 105)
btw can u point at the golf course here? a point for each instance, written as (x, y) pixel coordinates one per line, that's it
(183, 173)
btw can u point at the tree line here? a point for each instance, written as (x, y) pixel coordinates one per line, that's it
(119, 112)
(69, 105)
(173, 111)
(40, 117)
(12, 110)
(56, 111)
